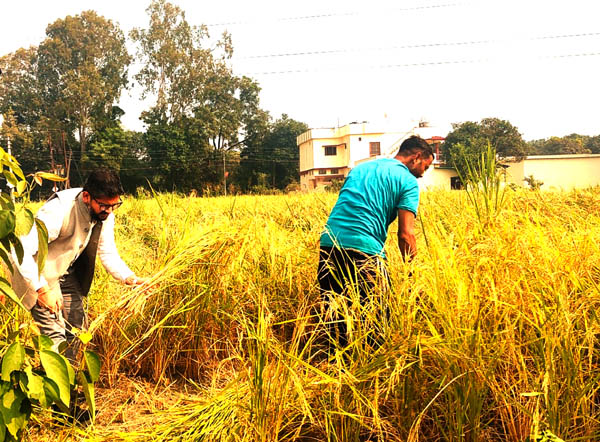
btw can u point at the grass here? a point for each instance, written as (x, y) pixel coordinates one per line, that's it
(492, 333)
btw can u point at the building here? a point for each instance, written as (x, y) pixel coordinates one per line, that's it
(328, 154)
(560, 172)
(554, 172)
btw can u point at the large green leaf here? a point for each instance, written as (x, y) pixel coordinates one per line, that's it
(2, 428)
(10, 162)
(6, 259)
(88, 391)
(6, 202)
(5, 242)
(7, 222)
(10, 177)
(53, 393)
(85, 337)
(21, 187)
(17, 246)
(70, 370)
(50, 176)
(57, 371)
(10, 407)
(93, 364)
(4, 387)
(42, 342)
(42, 244)
(8, 291)
(25, 221)
(14, 165)
(33, 385)
(13, 360)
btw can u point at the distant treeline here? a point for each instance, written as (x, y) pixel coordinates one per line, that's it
(205, 131)
(571, 144)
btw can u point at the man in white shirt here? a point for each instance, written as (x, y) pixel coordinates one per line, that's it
(80, 223)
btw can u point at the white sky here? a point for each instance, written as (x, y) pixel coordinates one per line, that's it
(446, 61)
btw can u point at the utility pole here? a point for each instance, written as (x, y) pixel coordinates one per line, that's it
(224, 174)
(67, 183)
(52, 167)
(10, 186)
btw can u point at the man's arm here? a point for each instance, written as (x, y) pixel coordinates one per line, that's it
(407, 242)
(110, 258)
(52, 216)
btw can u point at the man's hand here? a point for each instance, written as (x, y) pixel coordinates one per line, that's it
(407, 243)
(135, 280)
(50, 299)
(408, 246)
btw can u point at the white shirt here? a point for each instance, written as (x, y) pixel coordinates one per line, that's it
(52, 214)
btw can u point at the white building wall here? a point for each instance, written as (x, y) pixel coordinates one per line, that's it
(437, 178)
(568, 172)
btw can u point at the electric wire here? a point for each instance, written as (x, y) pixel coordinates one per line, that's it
(416, 46)
(420, 64)
(336, 14)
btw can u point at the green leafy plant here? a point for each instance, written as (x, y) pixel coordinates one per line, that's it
(485, 185)
(334, 186)
(32, 375)
(533, 183)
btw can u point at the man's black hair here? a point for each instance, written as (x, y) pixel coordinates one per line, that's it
(413, 145)
(103, 183)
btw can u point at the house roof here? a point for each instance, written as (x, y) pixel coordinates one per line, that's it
(562, 157)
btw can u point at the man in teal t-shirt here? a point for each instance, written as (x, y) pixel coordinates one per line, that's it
(374, 194)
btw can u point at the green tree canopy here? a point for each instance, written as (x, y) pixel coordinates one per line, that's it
(571, 144)
(177, 60)
(82, 69)
(272, 157)
(19, 90)
(207, 111)
(469, 140)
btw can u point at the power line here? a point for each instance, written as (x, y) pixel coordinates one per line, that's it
(260, 157)
(430, 63)
(414, 46)
(335, 14)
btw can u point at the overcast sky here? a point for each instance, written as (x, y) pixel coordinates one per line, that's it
(535, 63)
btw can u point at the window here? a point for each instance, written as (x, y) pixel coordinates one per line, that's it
(334, 171)
(330, 150)
(374, 148)
(323, 171)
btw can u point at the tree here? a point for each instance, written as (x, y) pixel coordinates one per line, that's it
(82, 69)
(275, 155)
(469, 140)
(171, 157)
(175, 61)
(19, 89)
(203, 113)
(571, 144)
(593, 144)
(107, 148)
(33, 136)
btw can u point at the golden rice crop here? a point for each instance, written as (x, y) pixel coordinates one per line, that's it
(492, 330)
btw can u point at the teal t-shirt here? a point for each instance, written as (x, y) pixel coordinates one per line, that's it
(368, 203)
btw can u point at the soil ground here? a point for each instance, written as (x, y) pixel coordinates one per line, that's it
(133, 406)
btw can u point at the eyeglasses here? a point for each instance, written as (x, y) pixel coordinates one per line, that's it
(105, 207)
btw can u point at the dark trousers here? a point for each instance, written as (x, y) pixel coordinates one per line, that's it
(342, 274)
(73, 315)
